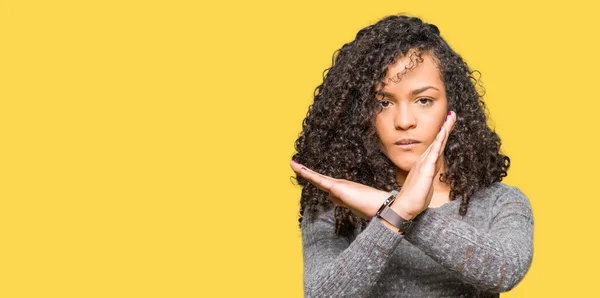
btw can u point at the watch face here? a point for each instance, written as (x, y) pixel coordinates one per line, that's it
(385, 203)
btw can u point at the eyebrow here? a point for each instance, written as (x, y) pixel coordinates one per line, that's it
(414, 92)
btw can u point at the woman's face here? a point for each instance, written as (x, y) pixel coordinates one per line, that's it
(414, 107)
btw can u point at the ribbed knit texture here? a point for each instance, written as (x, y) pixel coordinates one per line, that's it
(444, 255)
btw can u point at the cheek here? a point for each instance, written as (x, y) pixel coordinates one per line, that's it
(381, 135)
(380, 127)
(430, 130)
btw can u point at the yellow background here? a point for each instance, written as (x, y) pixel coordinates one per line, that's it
(145, 144)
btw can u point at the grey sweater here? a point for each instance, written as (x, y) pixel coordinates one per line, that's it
(444, 255)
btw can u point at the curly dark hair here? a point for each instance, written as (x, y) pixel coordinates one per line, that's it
(339, 138)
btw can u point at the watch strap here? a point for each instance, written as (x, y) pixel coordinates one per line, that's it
(389, 215)
(396, 220)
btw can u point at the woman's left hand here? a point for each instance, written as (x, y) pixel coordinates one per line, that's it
(362, 200)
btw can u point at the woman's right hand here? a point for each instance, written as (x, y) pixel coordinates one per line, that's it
(417, 190)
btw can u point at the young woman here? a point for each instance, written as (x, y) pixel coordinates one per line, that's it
(401, 175)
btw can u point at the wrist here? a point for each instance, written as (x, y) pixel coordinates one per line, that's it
(392, 218)
(376, 204)
(389, 225)
(399, 206)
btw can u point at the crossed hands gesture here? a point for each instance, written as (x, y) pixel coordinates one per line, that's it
(364, 201)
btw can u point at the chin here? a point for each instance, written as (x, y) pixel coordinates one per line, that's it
(404, 165)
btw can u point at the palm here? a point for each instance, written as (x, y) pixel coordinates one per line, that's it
(362, 200)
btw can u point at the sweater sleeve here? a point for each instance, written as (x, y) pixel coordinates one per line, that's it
(336, 266)
(493, 261)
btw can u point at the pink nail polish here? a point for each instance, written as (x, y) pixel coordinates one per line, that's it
(294, 161)
(449, 113)
(303, 168)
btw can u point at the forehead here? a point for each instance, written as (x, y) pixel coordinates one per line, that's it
(412, 69)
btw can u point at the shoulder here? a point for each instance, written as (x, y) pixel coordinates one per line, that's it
(503, 195)
(321, 213)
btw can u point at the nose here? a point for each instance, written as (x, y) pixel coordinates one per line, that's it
(404, 118)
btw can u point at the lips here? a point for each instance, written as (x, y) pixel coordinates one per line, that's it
(406, 142)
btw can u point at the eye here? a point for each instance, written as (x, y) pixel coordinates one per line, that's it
(425, 101)
(385, 103)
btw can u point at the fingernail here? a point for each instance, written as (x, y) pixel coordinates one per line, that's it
(303, 168)
(294, 161)
(449, 113)
(447, 117)
(441, 128)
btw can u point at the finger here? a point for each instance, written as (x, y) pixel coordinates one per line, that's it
(438, 164)
(425, 153)
(449, 125)
(423, 158)
(320, 181)
(335, 200)
(445, 130)
(304, 168)
(436, 147)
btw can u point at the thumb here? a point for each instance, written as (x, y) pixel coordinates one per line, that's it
(336, 201)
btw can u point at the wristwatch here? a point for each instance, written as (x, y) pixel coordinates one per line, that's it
(389, 215)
